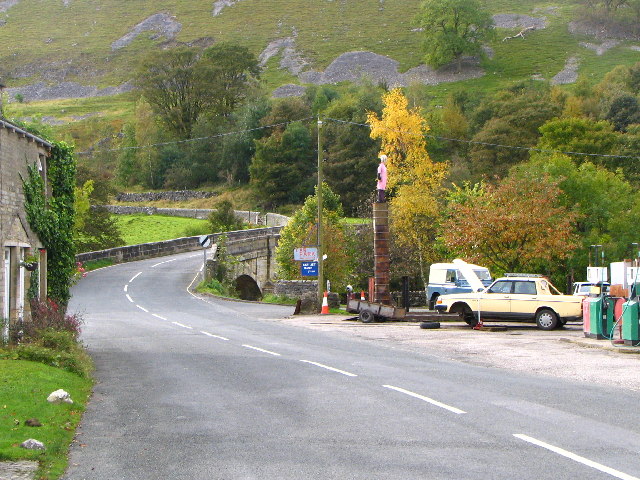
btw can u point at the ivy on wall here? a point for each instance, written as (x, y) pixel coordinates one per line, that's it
(52, 218)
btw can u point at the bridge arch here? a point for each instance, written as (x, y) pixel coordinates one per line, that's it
(247, 288)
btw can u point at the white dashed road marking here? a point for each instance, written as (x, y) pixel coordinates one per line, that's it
(326, 367)
(261, 350)
(576, 458)
(425, 399)
(213, 336)
(135, 276)
(182, 325)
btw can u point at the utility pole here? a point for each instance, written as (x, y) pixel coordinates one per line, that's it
(319, 198)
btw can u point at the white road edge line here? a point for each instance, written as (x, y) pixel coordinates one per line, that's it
(214, 336)
(142, 308)
(135, 276)
(158, 316)
(182, 325)
(329, 368)
(129, 298)
(262, 350)
(426, 399)
(576, 458)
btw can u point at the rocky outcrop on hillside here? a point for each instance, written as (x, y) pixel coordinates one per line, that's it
(7, 4)
(355, 66)
(42, 91)
(163, 24)
(220, 4)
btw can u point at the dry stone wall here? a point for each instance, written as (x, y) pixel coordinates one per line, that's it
(254, 217)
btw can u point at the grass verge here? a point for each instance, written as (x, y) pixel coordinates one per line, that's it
(24, 387)
(141, 228)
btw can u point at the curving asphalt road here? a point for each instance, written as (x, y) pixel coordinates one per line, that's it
(191, 388)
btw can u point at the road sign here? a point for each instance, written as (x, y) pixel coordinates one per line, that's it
(204, 241)
(309, 269)
(305, 254)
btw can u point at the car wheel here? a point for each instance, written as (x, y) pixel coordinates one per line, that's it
(466, 314)
(367, 316)
(546, 319)
(434, 299)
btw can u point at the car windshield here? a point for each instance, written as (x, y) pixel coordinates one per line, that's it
(483, 274)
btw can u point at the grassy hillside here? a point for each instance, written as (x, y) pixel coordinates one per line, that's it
(72, 40)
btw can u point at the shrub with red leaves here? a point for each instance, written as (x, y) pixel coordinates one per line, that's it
(49, 314)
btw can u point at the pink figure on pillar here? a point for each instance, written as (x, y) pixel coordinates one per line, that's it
(382, 179)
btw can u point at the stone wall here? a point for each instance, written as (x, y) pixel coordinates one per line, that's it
(417, 298)
(295, 288)
(176, 196)
(241, 243)
(254, 217)
(142, 251)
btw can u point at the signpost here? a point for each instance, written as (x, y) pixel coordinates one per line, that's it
(305, 254)
(309, 269)
(205, 242)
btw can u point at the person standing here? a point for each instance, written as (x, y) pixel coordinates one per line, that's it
(382, 179)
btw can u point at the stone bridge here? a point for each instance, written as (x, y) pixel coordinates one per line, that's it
(254, 250)
(254, 254)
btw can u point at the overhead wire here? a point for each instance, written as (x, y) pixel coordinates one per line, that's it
(436, 137)
(189, 140)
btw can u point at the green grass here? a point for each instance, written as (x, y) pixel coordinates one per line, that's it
(24, 388)
(279, 299)
(96, 264)
(81, 34)
(143, 228)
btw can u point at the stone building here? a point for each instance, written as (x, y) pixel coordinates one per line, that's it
(20, 245)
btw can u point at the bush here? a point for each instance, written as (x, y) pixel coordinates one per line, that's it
(195, 230)
(48, 315)
(75, 360)
(224, 218)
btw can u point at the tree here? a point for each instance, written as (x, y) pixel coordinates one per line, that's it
(512, 117)
(95, 227)
(283, 167)
(415, 181)
(453, 28)
(224, 219)
(579, 135)
(174, 87)
(623, 112)
(351, 153)
(230, 70)
(181, 85)
(606, 205)
(302, 231)
(518, 225)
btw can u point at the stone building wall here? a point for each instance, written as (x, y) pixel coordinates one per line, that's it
(18, 149)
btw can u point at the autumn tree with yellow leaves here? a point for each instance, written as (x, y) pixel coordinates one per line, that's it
(414, 181)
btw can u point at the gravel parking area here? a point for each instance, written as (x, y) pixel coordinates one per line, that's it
(562, 353)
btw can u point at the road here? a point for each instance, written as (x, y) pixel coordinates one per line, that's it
(210, 389)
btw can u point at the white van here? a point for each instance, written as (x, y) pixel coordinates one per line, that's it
(445, 278)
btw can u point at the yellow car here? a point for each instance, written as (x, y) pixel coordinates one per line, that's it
(515, 297)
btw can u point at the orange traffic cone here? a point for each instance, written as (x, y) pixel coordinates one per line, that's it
(325, 305)
(362, 299)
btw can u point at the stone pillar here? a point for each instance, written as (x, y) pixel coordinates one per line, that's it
(381, 253)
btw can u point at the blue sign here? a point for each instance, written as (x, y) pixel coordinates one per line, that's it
(309, 269)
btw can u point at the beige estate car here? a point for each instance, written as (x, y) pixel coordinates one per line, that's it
(515, 297)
